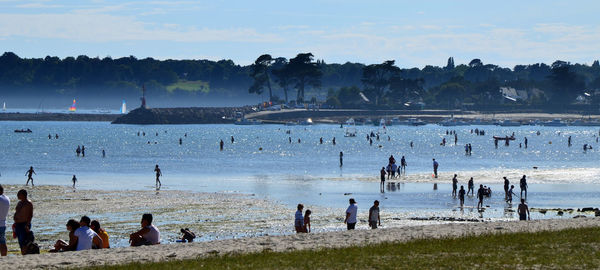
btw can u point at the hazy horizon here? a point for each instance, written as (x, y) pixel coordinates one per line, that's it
(413, 34)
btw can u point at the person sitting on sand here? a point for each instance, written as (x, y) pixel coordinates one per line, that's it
(523, 211)
(62, 245)
(148, 235)
(307, 220)
(95, 226)
(299, 219)
(85, 237)
(188, 236)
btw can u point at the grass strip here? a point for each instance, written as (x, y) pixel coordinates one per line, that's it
(566, 249)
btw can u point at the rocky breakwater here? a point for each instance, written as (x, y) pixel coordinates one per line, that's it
(196, 115)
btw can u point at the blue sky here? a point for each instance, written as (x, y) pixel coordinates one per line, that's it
(414, 33)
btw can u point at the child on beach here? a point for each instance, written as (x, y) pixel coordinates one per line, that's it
(188, 235)
(510, 193)
(374, 219)
(299, 219)
(307, 220)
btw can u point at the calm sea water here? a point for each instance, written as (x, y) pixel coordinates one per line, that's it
(306, 171)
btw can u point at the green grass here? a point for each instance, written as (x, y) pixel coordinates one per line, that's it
(567, 249)
(191, 86)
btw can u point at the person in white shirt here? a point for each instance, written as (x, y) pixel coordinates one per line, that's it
(4, 206)
(148, 235)
(86, 238)
(351, 215)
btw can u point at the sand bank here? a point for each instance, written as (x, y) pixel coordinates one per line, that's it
(284, 243)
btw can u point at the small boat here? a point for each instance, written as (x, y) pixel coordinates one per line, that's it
(585, 123)
(247, 122)
(350, 122)
(290, 123)
(123, 108)
(72, 108)
(307, 122)
(554, 123)
(452, 122)
(4, 106)
(23, 131)
(416, 122)
(509, 123)
(511, 138)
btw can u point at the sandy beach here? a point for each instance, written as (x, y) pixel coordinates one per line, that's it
(284, 243)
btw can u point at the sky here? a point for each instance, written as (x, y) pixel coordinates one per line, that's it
(413, 33)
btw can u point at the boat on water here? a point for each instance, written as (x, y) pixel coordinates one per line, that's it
(4, 107)
(500, 138)
(290, 123)
(554, 123)
(247, 122)
(584, 123)
(350, 122)
(307, 122)
(123, 107)
(73, 108)
(23, 131)
(380, 123)
(509, 123)
(416, 122)
(452, 122)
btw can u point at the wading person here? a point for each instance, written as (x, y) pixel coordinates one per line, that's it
(454, 185)
(461, 195)
(435, 168)
(471, 186)
(158, 175)
(523, 185)
(480, 194)
(523, 211)
(29, 173)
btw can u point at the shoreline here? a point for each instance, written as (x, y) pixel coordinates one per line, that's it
(311, 241)
(328, 116)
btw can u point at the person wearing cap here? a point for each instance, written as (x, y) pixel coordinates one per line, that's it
(351, 215)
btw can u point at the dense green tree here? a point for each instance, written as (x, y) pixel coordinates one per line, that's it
(376, 79)
(260, 73)
(304, 73)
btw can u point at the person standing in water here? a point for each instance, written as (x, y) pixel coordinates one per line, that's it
(526, 141)
(374, 219)
(83, 151)
(29, 173)
(232, 139)
(158, 175)
(180, 141)
(382, 176)
(333, 141)
(461, 195)
(103, 153)
(523, 185)
(506, 184)
(221, 143)
(402, 166)
(350, 219)
(471, 186)
(74, 181)
(435, 168)
(78, 150)
(480, 194)
(510, 194)
(341, 159)
(299, 219)
(454, 185)
(523, 211)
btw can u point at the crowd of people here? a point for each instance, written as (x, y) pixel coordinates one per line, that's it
(83, 235)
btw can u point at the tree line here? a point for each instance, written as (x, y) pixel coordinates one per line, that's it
(305, 79)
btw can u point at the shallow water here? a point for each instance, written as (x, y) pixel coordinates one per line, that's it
(308, 172)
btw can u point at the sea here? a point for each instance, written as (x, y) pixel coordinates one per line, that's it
(289, 165)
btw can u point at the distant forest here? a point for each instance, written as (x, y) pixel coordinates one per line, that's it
(302, 79)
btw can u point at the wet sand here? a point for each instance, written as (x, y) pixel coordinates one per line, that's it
(284, 243)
